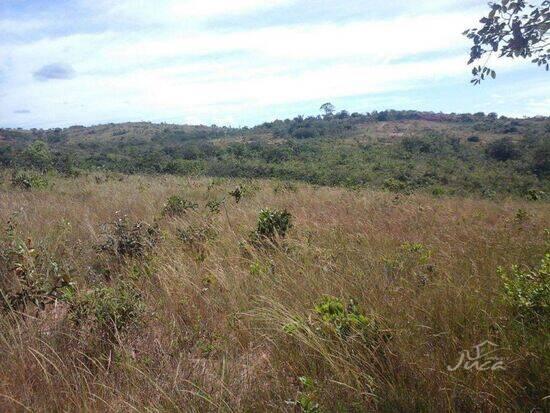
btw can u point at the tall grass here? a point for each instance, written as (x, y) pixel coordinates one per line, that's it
(206, 320)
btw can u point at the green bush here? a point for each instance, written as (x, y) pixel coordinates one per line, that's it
(345, 320)
(503, 150)
(394, 185)
(129, 239)
(528, 292)
(535, 194)
(29, 180)
(108, 311)
(177, 206)
(29, 277)
(273, 223)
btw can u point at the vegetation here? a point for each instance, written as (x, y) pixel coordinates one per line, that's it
(400, 151)
(125, 301)
(513, 28)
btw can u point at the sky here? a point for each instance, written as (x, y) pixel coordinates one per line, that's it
(243, 62)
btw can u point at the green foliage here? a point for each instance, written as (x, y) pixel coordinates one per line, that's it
(512, 29)
(503, 150)
(340, 150)
(305, 399)
(417, 249)
(528, 291)
(124, 238)
(394, 185)
(237, 194)
(109, 310)
(194, 235)
(214, 206)
(29, 180)
(38, 155)
(273, 223)
(29, 278)
(177, 206)
(535, 194)
(345, 320)
(258, 268)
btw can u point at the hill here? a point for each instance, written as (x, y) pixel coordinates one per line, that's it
(402, 151)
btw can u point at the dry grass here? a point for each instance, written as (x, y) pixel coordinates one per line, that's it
(226, 326)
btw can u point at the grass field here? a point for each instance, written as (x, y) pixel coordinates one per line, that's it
(117, 297)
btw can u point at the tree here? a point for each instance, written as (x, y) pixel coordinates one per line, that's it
(38, 155)
(511, 29)
(503, 150)
(328, 108)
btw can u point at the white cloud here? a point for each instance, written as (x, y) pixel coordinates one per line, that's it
(19, 27)
(180, 68)
(182, 12)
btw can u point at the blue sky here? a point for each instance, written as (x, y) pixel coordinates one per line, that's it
(242, 62)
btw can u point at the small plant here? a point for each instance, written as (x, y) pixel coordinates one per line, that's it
(177, 206)
(418, 250)
(521, 216)
(273, 223)
(529, 291)
(438, 191)
(130, 239)
(31, 279)
(535, 194)
(28, 181)
(237, 193)
(394, 185)
(214, 206)
(305, 399)
(345, 320)
(281, 187)
(108, 311)
(193, 235)
(488, 193)
(258, 268)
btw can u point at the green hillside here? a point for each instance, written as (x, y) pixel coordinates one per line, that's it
(402, 151)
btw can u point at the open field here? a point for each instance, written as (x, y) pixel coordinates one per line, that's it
(361, 306)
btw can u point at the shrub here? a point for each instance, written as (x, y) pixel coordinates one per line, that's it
(130, 239)
(503, 150)
(237, 194)
(214, 206)
(304, 133)
(394, 185)
(193, 235)
(29, 278)
(473, 138)
(273, 223)
(535, 194)
(107, 310)
(528, 292)
(37, 155)
(345, 320)
(177, 206)
(26, 180)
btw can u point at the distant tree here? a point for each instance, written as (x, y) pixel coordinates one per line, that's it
(503, 150)
(328, 108)
(511, 29)
(38, 155)
(541, 161)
